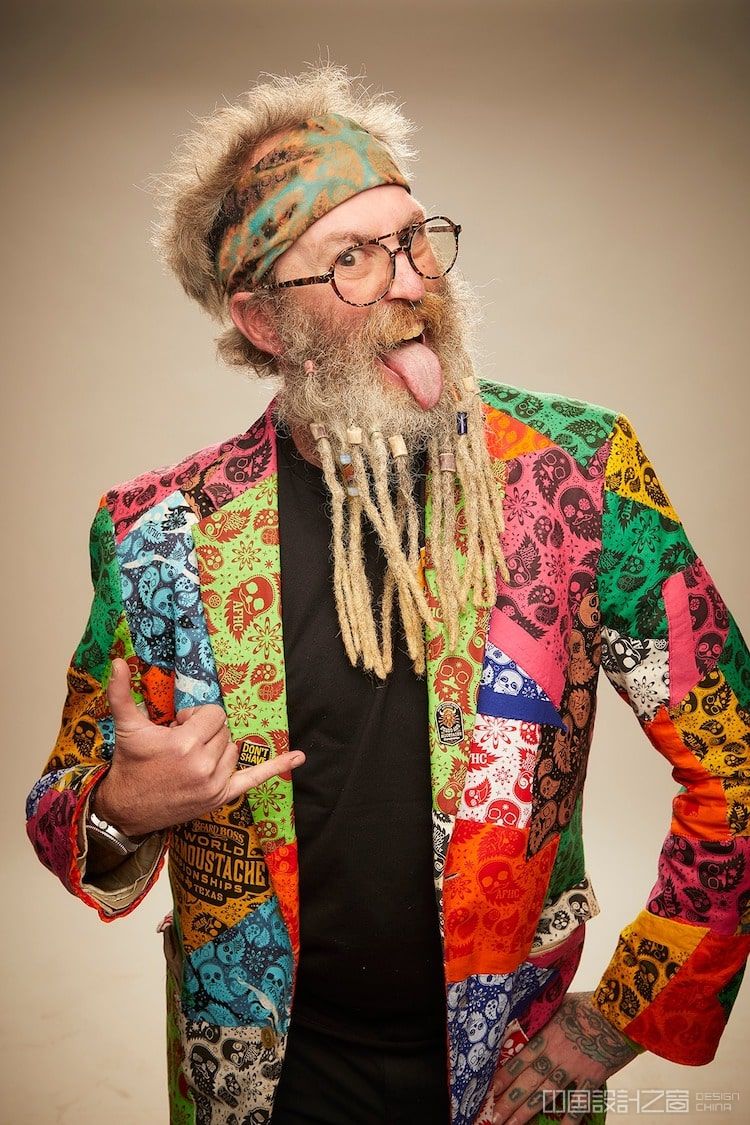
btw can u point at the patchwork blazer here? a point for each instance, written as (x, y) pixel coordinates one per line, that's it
(187, 589)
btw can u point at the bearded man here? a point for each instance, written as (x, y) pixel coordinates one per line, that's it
(400, 583)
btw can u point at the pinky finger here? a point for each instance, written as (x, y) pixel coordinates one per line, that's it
(227, 763)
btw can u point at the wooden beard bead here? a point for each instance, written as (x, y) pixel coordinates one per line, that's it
(354, 435)
(447, 462)
(317, 430)
(397, 446)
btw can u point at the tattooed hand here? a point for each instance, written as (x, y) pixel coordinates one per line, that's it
(577, 1048)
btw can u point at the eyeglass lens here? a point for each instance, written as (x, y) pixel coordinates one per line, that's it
(363, 274)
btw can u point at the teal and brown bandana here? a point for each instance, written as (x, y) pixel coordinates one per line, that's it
(320, 163)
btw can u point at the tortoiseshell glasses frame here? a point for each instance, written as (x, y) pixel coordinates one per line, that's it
(405, 239)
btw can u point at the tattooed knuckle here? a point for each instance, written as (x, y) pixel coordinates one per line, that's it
(542, 1064)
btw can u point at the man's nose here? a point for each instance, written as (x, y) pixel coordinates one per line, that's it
(408, 285)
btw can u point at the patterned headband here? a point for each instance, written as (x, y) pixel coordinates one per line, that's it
(320, 163)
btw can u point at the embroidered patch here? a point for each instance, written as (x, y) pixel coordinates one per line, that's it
(450, 723)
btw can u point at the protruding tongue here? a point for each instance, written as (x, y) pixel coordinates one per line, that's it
(418, 368)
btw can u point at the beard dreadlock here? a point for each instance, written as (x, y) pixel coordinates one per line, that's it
(367, 434)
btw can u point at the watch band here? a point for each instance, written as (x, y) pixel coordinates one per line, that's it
(111, 837)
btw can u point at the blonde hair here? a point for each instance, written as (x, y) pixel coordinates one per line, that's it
(205, 167)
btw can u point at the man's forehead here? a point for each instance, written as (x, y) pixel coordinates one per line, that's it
(364, 231)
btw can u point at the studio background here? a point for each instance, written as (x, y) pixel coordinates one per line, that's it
(597, 155)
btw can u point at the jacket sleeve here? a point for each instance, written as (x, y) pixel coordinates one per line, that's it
(57, 805)
(674, 653)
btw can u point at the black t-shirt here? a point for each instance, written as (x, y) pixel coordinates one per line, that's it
(371, 967)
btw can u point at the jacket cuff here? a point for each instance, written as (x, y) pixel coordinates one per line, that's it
(670, 987)
(116, 892)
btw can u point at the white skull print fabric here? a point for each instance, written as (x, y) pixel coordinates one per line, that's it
(570, 909)
(639, 669)
(225, 1075)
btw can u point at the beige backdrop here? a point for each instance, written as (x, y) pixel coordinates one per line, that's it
(597, 157)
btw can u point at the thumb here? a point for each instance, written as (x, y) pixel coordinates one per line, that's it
(250, 776)
(121, 702)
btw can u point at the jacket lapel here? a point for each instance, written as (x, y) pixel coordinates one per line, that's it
(238, 551)
(452, 687)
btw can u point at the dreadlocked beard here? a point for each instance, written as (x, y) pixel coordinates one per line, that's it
(366, 435)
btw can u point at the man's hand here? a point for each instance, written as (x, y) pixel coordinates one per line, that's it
(577, 1048)
(165, 775)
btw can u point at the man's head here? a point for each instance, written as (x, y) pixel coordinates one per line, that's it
(372, 338)
(303, 184)
(215, 158)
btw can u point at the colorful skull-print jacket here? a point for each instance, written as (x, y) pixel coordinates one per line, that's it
(185, 569)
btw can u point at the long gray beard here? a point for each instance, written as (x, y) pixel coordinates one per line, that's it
(365, 435)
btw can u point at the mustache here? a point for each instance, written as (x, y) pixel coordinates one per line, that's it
(337, 347)
(392, 323)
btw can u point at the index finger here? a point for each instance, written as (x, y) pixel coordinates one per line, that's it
(251, 776)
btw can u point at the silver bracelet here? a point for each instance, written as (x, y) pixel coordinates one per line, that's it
(111, 837)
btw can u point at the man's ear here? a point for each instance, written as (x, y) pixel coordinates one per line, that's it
(255, 322)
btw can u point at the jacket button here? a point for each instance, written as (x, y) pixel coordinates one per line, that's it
(268, 1037)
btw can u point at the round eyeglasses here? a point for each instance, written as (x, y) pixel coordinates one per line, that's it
(363, 274)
